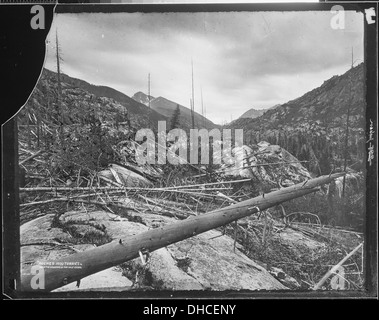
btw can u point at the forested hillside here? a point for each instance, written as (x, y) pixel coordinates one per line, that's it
(314, 127)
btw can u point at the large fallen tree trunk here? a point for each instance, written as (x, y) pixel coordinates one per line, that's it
(79, 265)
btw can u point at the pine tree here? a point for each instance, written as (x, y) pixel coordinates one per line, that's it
(174, 122)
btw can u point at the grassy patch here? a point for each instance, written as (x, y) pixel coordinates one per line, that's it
(183, 263)
(306, 265)
(96, 233)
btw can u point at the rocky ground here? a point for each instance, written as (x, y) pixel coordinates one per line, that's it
(81, 187)
(206, 262)
(260, 253)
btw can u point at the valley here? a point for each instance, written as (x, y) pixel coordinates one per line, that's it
(84, 196)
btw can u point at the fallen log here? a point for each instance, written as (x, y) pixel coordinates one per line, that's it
(336, 267)
(208, 184)
(31, 157)
(72, 189)
(39, 278)
(68, 199)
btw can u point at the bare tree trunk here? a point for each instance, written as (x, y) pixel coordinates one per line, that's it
(38, 132)
(28, 130)
(59, 94)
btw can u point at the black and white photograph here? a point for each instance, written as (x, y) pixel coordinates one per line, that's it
(197, 151)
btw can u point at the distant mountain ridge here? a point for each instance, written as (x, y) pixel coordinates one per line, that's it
(253, 113)
(80, 101)
(327, 104)
(133, 106)
(167, 107)
(314, 126)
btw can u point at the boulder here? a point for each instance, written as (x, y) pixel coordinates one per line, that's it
(216, 266)
(284, 169)
(42, 242)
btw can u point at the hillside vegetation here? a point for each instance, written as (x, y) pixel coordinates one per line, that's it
(81, 188)
(167, 108)
(313, 127)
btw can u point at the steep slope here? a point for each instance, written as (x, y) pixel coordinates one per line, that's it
(76, 104)
(167, 107)
(326, 105)
(134, 108)
(313, 126)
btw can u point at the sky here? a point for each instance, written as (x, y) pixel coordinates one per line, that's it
(241, 60)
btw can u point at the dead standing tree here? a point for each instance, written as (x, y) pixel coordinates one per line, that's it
(58, 108)
(117, 252)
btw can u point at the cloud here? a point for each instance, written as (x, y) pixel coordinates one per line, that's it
(241, 59)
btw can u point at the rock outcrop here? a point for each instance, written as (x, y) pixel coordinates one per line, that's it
(204, 262)
(265, 163)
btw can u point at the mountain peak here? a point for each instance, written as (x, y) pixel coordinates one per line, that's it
(253, 113)
(137, 111)
(167, 107)
(142, 97)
